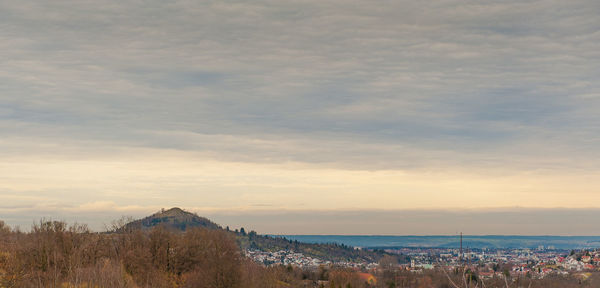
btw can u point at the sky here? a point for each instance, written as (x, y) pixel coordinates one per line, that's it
(304, 117)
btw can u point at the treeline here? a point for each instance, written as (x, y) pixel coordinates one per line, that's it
(436, 278)
(54, 254)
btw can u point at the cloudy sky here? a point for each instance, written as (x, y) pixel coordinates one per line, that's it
(352, 117)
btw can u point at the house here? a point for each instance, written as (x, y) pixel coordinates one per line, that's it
(586, 259)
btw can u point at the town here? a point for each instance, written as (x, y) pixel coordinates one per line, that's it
(488, 263)
(287, 257)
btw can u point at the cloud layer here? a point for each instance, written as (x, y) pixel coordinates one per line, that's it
(367, 103)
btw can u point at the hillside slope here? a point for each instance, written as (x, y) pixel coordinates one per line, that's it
(176, 219)
(328, 251)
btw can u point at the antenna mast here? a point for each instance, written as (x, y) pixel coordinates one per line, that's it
(461, 251)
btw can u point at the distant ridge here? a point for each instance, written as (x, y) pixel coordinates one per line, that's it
(452, 241)
(173, 219)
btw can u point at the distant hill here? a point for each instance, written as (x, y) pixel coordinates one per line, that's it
(172, 219)
(176, 219)
(326, 251)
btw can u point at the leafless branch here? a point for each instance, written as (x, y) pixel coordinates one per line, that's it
(447, 275)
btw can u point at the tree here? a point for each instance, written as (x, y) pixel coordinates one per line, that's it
(389, 266)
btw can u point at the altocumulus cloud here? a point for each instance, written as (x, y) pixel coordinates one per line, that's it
(142, 103)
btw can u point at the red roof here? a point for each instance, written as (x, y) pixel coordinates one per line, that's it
(367, 277)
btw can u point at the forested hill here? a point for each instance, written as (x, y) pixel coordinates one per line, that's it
(172, 219)
(176, 219)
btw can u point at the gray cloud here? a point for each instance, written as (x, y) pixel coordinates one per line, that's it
(483, 77)
(372, 85)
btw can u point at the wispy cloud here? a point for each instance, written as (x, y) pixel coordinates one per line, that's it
(435, 89)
